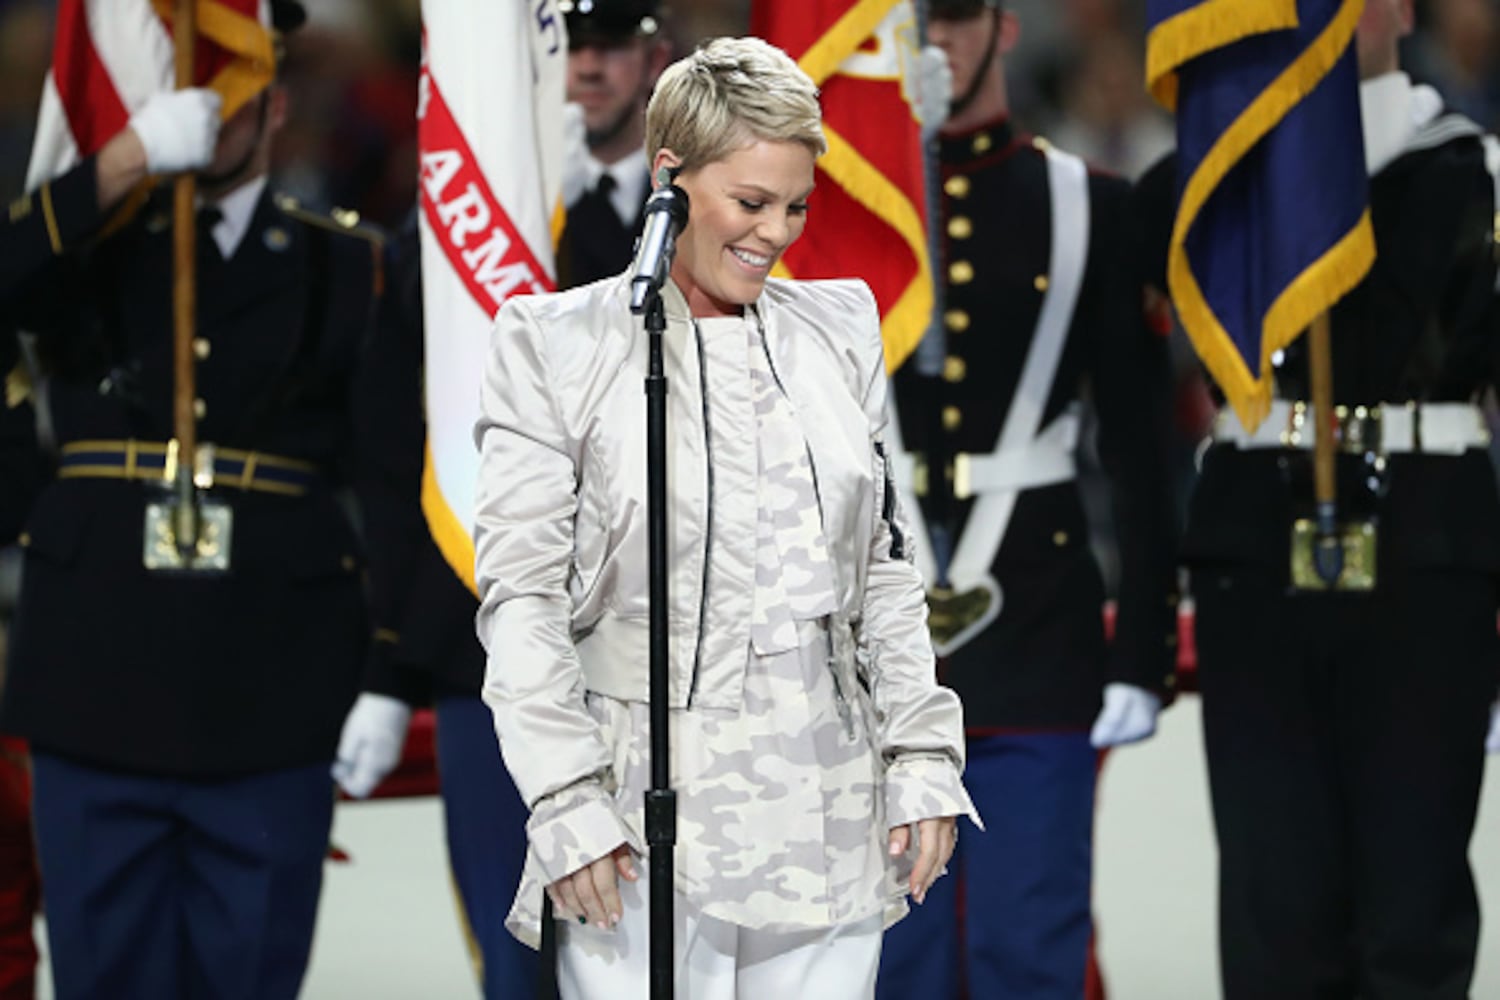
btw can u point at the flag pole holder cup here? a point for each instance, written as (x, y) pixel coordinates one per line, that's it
(1330, 552)
(211, 528)
(1355, 538)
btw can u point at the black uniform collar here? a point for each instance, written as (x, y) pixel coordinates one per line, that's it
(986, 141)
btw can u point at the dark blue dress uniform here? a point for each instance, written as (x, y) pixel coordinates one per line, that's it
(1031, 680)
(183, 723)
(1345, 729)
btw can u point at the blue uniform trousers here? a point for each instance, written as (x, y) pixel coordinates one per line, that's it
(163, 887)
(1011, 920)
(486, 842)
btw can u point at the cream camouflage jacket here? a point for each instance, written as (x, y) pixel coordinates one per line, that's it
(561, 545)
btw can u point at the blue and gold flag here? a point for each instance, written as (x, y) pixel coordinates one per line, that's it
(1273, 223)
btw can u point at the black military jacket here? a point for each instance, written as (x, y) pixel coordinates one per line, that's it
(34, 230)
(252, 669)
(595, 243)
(1421, 326)
(437, 652)
(20, 462)
(1043, 662)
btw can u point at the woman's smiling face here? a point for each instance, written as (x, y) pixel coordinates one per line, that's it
(745, 210)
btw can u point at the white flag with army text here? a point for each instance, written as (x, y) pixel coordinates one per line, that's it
(490, 137)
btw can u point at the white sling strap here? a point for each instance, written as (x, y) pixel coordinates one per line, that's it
(1068, 179)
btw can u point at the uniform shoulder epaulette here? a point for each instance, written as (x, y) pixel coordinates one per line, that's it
(344, 221)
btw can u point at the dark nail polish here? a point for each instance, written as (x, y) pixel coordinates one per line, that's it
(582, 919)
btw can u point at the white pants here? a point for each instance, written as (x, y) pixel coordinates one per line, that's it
(716, 960)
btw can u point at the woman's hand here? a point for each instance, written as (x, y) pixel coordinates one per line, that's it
(936, 839)
(591, 894)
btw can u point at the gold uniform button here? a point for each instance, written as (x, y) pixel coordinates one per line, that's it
(348, 562)
(200, 409)
(982, 143)
(24, 538)
(960, 272)
(960, 227)
(1172, 642)
(1169, 681)
(953, 418)
(201, 348)
(1039, 282)
(956, 187)
(1059, 538)
(954, 369)
(1172, 600)
(956, 320)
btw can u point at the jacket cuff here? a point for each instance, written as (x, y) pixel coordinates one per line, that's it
(71, 205)
(1155, 669)
(575, 827)
(386, 674)
(925, 786)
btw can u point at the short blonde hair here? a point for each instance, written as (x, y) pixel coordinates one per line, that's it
(727, 94)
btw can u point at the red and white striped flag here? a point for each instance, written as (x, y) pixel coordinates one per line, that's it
(110, 56)
(489, 113)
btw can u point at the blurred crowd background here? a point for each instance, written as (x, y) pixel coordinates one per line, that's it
(1076, 77)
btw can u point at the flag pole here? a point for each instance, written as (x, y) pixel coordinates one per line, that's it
(1328, 550)
(184, 306)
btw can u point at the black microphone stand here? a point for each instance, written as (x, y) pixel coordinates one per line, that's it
(661, 800)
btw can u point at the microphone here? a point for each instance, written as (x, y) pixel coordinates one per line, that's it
(666, 212)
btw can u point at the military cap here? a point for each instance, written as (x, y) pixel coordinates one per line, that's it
(610, 20)
(958, 10)
(287, 15)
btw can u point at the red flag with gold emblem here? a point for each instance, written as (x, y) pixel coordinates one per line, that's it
(867, 215)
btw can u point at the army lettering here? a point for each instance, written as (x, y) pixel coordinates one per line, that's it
(479, 239)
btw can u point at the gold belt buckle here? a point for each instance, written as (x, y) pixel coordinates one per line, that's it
(215, 534)
(1357, 538)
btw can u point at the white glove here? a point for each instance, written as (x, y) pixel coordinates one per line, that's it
(1128, 716)
(1492, 740)
(178, 129)
(934, 90)
(575, 153)
(370, 745)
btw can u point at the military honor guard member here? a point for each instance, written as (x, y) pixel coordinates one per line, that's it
(172, 132)
(1043, 305)
(1345, 726)
(616, 50)
(183, 708)
(438, 660)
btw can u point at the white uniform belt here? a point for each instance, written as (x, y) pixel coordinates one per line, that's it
(1047, 460)
(1388, 428)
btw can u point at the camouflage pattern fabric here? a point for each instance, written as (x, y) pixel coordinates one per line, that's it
(784, 803)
